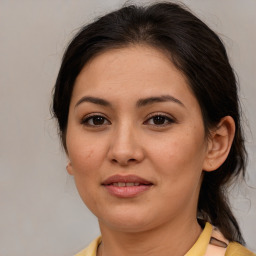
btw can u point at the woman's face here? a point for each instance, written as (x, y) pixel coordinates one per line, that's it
(135, 140)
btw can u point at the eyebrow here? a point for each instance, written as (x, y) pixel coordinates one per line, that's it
(163, 98)
(140, 102)
(94, 100)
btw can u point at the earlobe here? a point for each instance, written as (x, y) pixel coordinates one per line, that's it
(69, 168)
(219, 144)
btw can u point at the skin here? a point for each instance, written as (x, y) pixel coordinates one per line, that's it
(127, 140)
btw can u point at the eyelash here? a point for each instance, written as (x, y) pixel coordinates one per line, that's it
(86, 119)
(167, 120)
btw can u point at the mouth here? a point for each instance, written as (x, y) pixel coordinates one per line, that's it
(126, 186)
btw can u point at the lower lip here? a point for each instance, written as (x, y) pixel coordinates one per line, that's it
(127, 192)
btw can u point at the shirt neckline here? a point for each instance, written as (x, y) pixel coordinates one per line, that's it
(198, 249)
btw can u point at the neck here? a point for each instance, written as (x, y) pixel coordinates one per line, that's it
(175, 238)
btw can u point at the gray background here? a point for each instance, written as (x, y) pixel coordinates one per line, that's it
(40, 211)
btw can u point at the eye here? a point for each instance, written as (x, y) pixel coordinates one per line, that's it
(159, 120)
(95, 120)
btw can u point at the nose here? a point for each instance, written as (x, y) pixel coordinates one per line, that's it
(125, 146)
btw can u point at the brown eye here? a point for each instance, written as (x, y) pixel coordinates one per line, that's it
(159, 120)
(95, 120)
(98, 120)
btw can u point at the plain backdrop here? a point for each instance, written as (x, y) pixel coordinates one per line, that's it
(40, 211)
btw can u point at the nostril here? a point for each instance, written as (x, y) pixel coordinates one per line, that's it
(124, 162)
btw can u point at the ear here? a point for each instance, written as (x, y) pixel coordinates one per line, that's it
(69, 168)
(219, 144)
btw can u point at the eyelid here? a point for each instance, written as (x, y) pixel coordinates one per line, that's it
(91, 115)
(170, 118)
(161, 114)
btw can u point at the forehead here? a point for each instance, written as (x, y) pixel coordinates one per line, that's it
(131, 72)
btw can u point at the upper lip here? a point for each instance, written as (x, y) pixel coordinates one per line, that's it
(125, 179)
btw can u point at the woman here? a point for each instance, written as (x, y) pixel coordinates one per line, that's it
(148, 113)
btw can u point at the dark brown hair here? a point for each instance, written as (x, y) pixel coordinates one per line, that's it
(199, 54)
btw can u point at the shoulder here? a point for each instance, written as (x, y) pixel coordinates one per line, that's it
(91, 250)
(236, 249)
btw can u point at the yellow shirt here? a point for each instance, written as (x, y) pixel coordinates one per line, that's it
(200, 248)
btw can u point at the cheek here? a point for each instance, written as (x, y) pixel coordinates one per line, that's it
(83, 166)
(179, 165)
(180, 157)
(85, 153)
(86, 160)
(82, 159)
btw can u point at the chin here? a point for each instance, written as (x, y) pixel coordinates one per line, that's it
(127, 220)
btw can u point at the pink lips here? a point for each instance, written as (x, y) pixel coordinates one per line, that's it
(126, 186)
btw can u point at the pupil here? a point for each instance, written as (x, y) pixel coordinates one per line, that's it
(98, 120)
(159, 119)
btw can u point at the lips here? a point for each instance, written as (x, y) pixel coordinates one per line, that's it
(126, 179)
(126, 186)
